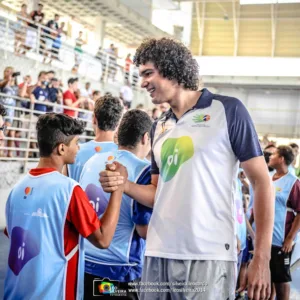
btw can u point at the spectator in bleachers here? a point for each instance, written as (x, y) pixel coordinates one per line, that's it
(59, 101)
(70, 98)
(87, 91)
(112, 64)
(20, 30)
(128, 63)
(126, 94)
(155, 114)
(57, 41)
(49, 37)
(9, 87)
(79, 42)
(292, 167)
(53, 90)
(96, 95)
(37, 17)
(2, 125)
(40, 93)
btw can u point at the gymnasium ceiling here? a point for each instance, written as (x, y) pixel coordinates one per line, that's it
(226, 28)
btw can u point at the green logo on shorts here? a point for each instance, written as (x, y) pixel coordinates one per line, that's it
(174, 153)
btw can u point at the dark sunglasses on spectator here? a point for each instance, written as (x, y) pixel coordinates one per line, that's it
(4, 129)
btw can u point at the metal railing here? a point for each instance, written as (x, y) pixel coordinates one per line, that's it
(43, 44)
(22, 130)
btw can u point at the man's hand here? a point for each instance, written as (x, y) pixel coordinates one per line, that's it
(114, 176)
(287, 245)
(259, 287)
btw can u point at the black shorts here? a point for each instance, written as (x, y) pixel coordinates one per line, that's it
(280, 265)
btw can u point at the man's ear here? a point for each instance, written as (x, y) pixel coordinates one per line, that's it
(145, 138)
(61, 149)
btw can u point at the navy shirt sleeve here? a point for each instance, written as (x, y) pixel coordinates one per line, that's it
(242, 134)
(142, 214)
(154, 167)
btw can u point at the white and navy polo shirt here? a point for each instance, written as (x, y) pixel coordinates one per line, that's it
(196, 158)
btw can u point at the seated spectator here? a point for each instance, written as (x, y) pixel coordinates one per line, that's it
(87, 91)
(9, 87)
(70, 98)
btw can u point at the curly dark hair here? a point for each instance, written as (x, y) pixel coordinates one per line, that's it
(134, 125)
(172, 59)
(2, 111)
(54, 129)
(108, 112)
(287, 153)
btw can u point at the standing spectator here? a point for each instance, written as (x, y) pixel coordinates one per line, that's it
(70, 98)
(2, 125)
(57, 41)
(155, 114)
(112, 64)
(128, 63)
(96, 95)
(59, 102)
(126, 94)
(37, 17)
(292, 167)
(79, 42)
(87, 91)
(49, 37)
(53, 90)
(20, 30)
(9, 87)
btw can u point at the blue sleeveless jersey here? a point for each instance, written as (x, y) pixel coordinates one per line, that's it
(86, 151)
(241, 227)
(36, 214)
(123, 260)
(283, 187)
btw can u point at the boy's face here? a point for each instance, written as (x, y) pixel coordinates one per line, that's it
(71, 150)
(160, 89)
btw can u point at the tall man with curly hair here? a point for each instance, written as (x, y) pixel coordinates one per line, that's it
(191, 249)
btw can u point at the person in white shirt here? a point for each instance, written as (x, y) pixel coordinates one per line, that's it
(87, 91)
(191, 249)
(126, 94)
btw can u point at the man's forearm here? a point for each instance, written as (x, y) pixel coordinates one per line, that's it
(264, 218)
(295, 228)
(144, 194)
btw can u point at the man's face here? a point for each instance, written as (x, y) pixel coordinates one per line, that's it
(1, 131)
(50, 76)
(56, 18)
(8, 72)
(275, 160)
(43, 77)
(40, 7)
(160, 89)
(87, 86)
(75, 86)
(71, 151)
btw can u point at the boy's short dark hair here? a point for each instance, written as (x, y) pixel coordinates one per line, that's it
(54, 129)
(135, 123)
(2, 111)
(108, 112)
(172, 59)
(287, 153)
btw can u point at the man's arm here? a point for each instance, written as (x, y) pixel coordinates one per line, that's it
(68, 102)
(263, 207)
(259, 271)
(143, 194)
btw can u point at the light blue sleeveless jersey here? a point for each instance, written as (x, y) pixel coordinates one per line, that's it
(241, 227)
(86, 151)
(283, 187)
(36, 213)
(119, 250)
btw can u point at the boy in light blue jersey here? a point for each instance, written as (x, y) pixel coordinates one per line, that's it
(107, 114)
(122, 262)
(287, 219)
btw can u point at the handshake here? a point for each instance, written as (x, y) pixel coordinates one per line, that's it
(114, 177)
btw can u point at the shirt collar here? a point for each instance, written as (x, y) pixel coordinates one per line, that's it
(204, 101)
